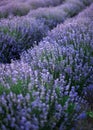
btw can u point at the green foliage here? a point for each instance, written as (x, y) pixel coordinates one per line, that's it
(19, 88)
(3, 89)
(90, 114)
(70, 108)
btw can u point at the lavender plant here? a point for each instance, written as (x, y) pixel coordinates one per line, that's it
(17, 36)
(41, 103)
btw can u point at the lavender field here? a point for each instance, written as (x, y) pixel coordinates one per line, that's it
(46, 65)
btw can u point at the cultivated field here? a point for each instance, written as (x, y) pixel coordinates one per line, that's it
(46, 65)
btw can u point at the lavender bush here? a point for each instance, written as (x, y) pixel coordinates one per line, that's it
(42, 98)
(26, 112)
(18, 35)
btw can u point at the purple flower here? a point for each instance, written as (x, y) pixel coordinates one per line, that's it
(82, 116)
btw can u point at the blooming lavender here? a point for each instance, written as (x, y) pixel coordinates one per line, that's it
(50, 86)
(44, 106)
(78, 35)
(14, 8)
(44, 3)
(41, 74)
(58, 14)
(17, 36)
(40, 78)
(22, 7)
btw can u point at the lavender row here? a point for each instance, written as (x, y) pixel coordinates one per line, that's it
(55, 15)
(19, 34)
(78, 34)
(44, 3)
(20, 8)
